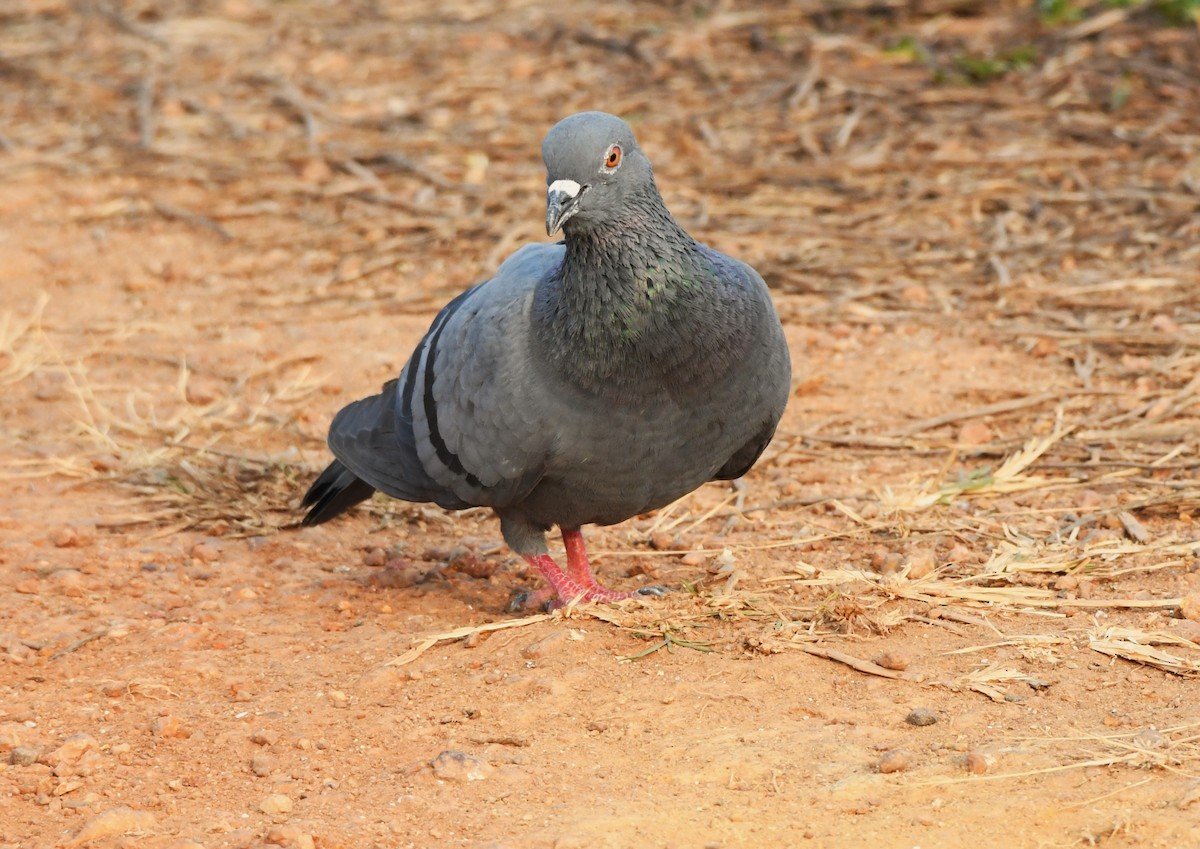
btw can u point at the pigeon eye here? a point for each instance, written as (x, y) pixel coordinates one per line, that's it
(614, 157)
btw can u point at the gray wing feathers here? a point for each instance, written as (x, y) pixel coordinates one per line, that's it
(374, 441)
(477, 416)
(460, 427)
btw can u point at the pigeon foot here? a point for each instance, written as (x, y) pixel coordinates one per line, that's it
(576, 583)
(563, 588)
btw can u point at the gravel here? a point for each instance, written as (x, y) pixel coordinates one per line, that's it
(276, 803)
(979, 762)
(23, 756)
(459, 766)
(896, 760)
(921, 717)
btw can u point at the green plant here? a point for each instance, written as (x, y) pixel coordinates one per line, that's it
(982, 69)
(1180, 13)
(1058, 11)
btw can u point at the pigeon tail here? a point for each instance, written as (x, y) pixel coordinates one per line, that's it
(335, 491)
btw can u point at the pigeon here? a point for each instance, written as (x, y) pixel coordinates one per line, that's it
(588, 381)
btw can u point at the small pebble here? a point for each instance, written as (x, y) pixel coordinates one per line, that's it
(1190, 797)
(979, 762)
(662, 541)
(106, 462)
(1189, 607)
(206, 552)
(23, 756)
(1088, 499)
(1187, 628)
(897, 760)
(921, 565)
(262, 764)
(122, 820)
(381, 677)
(65, 537)
(289, 836)
(1044, 347)
(265, 737)
(892, 562)
(65, 787)
(921, 717)
(459, 766)
(1151, 738)
(315, 170)
(72, 749)
(10, 736)
(69, 582)
(546, 646)
(974, 432)
(892, 660)
(239, 838)
(169, 726)
(1164, 324)
(375, 557)
(399, 574)
(276, 803)
(959, 554)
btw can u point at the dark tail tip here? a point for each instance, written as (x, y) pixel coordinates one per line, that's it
(334, 492)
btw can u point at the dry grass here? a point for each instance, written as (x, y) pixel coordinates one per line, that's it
(1173, 750)
(22, 344)
(1142, 647)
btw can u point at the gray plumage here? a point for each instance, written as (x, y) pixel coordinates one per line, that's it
(587, 381)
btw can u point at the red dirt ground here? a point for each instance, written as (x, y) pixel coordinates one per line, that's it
(221, 222)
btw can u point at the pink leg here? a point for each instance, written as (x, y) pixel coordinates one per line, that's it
(560, 584)
(577, 582)
(580, 571)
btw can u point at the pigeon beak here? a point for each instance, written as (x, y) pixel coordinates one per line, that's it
(562, 201)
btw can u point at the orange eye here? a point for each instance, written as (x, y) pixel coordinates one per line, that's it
(614, 157)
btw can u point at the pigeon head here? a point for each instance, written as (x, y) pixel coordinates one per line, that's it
(593, 166)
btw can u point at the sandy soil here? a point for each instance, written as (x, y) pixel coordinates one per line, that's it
(958, 603)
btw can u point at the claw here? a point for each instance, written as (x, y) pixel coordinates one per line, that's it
(519, 602)
(542, 600)
(577, 582)
(654, 590)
